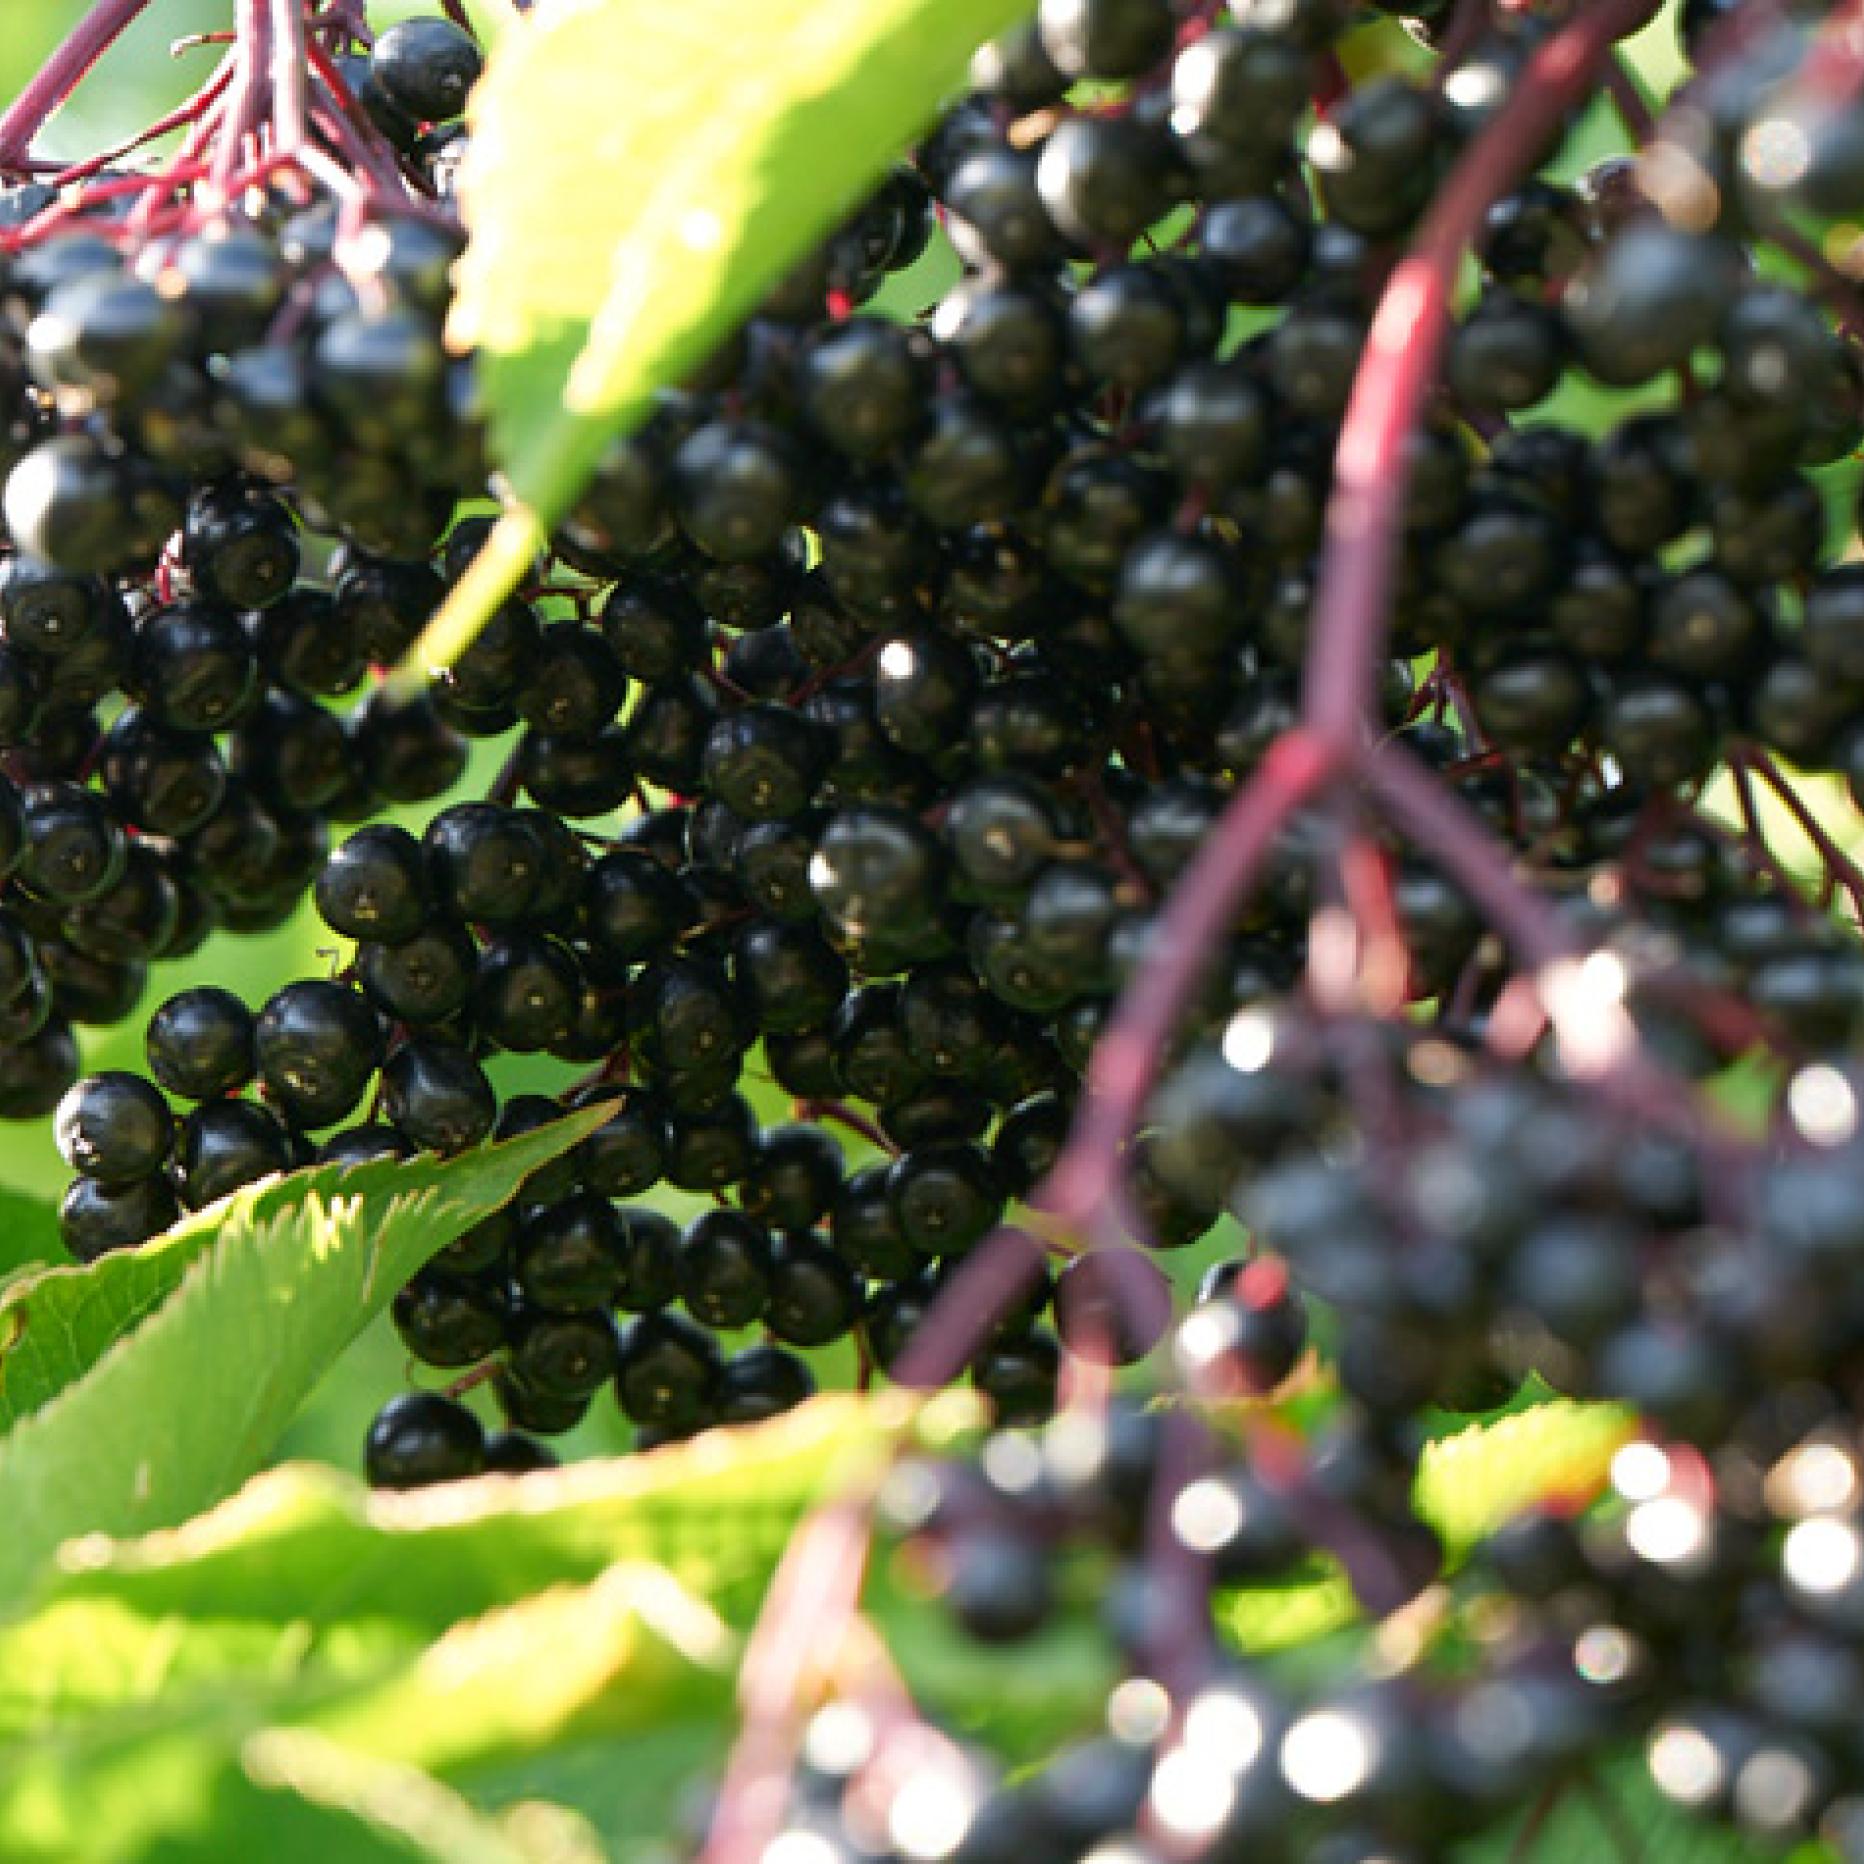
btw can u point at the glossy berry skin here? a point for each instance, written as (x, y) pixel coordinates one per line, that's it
(239, 550)
(484, 862)
(724, 1269)
(570, 1255)
(448, 1322)
(669, 1372)
(795, 1178)
(513, 1453)
(736, 487)
(67, 501)
(315, 1047)
(421, 1438)
(1020, 1378)
(422, 981)
(436, 1096)
(1000, 1588)
(815, 1296)
(194, 667)
(563, 1355)
(763, 763)
(374, 886)
(426, 67)
(860, 387)
(1247, 1333)
(114, 1129)
(761, 1382)
(525, 991)
(944, 1198)
(73, 850)
(1106, 39)
(223, 1145)
(633, 908)
(94, 1219)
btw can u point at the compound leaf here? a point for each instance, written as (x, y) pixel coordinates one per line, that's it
(135, 1410)
(375, 1657)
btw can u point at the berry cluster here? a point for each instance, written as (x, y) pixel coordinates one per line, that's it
(1719, 1637)
(231, 443)
(1135, 747)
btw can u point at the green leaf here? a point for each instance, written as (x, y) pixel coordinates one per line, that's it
(468, 1635)
(1618, 1812)
(356, 1806)
(309, 1550)
(1467, 1486)
(629, 1789)
(142, 1427)
(388, 1740)
(639, 177)
(57, 1320)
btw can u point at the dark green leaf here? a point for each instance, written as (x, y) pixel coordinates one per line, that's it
(1617, 1812)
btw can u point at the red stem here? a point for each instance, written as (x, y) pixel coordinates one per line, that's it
(810, 1607)
(192, 111)
(1838, 864)
(835, 1113)
(990, 1280)
(290, 99)
(1628, 100)
(1455, 836)
(1835, 65)
(245, 106)
(1759, 849)
(1838, 291)
(61, 74)
(1083, 1188)
(1371, 469)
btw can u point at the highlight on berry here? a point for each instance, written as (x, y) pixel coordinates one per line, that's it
(1172, 785)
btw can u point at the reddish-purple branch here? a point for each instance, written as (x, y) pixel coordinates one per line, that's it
(1084, 1187)
(988, 1284)
(811, 1606)
(245, 105)
(1447, 829)
(1085, 1190)
(1844, 871)
(289, 75)
(60, 75)
(1370, 475)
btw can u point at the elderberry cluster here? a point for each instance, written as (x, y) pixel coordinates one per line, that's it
(1718, 1639)
(857, 733)
(230, 450)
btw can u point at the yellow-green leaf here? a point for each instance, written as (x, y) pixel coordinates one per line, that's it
(1467, 1486)
(639, 177)
(309, 1655)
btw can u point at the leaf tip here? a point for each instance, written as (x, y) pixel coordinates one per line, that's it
(493, 574)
